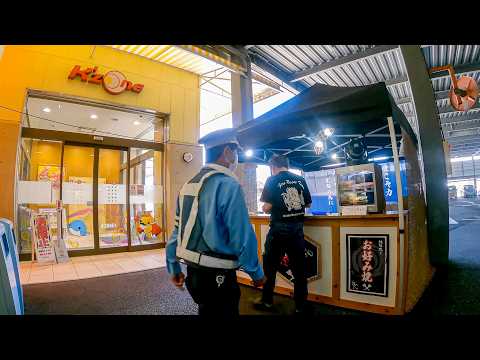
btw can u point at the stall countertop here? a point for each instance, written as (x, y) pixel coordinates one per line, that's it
(390, 214)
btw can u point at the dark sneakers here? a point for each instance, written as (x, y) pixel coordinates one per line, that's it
(258, 304)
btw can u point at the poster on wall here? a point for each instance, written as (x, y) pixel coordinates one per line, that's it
(367, 264)
(43, 242)
(312, 262)
(49, 173)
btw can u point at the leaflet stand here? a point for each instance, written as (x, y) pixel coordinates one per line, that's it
(42, 243)
(60, 247)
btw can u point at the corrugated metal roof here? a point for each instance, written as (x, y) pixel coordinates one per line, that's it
(384, 66)
(439, 55)
(172, 55)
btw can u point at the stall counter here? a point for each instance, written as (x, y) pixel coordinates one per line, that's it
(355, 262)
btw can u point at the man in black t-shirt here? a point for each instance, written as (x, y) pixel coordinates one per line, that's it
(285, 197)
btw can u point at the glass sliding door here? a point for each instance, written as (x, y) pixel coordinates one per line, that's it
(77, 196)
(112, 198)
(146, 197)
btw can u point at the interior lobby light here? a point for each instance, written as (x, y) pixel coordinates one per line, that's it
(334, 156)
(93, 116)
(46, 109)
(249, 153)
(136, 122)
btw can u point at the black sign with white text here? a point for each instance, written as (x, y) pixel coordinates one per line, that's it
(367, 264)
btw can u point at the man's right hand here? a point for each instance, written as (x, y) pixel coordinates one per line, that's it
(259, 282)
(178, 280)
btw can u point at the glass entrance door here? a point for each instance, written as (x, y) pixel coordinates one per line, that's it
(112, 198)
(94, 195)
(77, 196)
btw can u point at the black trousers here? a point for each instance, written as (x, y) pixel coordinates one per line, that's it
(214, 299)
(285, 238)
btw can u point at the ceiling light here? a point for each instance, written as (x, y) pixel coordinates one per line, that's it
(46, 109)
(93, 116)
(319, 147)
(249, 153)
(136, 122)
(334, 156)
(328, 132)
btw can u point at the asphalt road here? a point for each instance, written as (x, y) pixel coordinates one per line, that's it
(457, 292)
(465, 231)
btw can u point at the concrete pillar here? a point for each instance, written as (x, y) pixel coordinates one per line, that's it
(242, 111)
(432, 152)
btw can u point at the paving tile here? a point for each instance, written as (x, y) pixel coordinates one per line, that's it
(64, 276)
(128, 264)
(41, 278)
(25, 264)
(24, 277)
(87, 270)
(108, 267)
(147, 262)
(41, 270)
(80, 259)
(111, 256)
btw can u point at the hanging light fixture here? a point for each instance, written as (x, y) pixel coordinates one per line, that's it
(319, 146)
(320, 143)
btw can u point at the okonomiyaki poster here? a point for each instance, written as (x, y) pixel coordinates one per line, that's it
(367, 264)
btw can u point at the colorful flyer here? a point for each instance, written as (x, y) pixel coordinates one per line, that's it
(43, 243)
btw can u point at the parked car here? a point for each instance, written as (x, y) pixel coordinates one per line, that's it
(452, 192)
(469, 191)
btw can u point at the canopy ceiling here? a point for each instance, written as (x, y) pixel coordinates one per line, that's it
(352, 112)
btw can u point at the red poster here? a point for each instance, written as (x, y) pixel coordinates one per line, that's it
(44, 248)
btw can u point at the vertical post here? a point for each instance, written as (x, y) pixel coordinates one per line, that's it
(127, 185)
(401, 217)
(430, 138)
(474, 176)
(242, 111)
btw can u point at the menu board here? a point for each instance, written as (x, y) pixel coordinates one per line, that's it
(367, 264)
(43, 242)
(312, 262)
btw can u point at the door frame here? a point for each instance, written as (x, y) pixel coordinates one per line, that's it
(97, 250)
(99, 142)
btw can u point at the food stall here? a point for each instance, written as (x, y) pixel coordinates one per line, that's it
(365, 249)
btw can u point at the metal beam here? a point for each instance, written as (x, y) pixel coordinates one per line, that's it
(466, 148)
(397, 80)
(470, 125)
(300, 75)
(279, 74)
(449, 109)
(435, 174)
(459, 69)
(462, 139)
(474, 115)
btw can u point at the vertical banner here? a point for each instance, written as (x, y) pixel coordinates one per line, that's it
(367, 264)
(43, 243)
